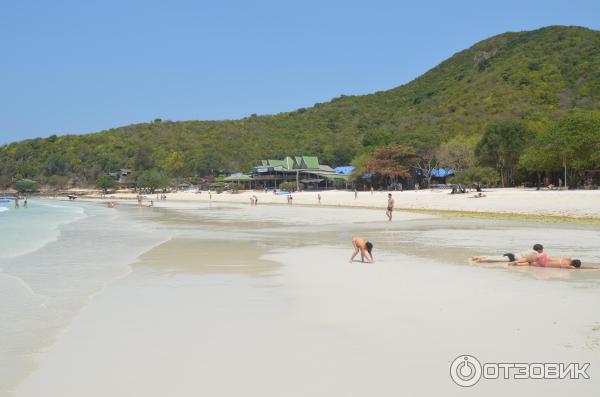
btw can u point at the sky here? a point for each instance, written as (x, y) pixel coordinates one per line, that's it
(84, 66)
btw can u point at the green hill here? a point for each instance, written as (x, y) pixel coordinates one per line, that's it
(534, 76)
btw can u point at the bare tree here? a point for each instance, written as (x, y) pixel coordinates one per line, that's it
(426, 162)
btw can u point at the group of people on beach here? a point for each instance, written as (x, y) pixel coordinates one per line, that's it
(538, 257)
(25, 201)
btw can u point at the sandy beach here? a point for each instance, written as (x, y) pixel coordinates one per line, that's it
(242, 300)
(573, 203)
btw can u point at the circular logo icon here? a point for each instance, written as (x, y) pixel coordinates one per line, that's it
(465, 370)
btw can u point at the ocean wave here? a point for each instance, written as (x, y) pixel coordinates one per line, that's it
(2, 209)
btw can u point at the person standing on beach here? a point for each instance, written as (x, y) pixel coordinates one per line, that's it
(25, 202)
(319, 197)
(390, 207)
(365, 247)
(371, 190)
(17, 200)
(355, 194)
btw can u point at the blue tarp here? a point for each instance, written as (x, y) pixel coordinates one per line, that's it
(345, 170)
(442, 172)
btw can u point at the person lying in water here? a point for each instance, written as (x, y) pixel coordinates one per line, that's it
(562, 262)
(538, 257)
(524, 258)
(365, 247)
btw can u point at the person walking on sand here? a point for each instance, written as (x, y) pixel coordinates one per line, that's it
(365, 247)
(355, 194)
(254, 200)
(371, 190)
(390, 207)
(319, 197)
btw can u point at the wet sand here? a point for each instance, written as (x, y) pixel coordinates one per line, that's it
(269, 305)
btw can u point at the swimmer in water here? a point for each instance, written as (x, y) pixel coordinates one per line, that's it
(365, 247)
(561, 263)
(527, 257)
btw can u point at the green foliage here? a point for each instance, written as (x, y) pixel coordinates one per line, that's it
(339, 184)
(501, 146)
(290, 186)
(105, 182)
(57, 181)
(476, 175)
(458, 153)
(152, 180)
(26, 185)
(573, 141)
(536, 77)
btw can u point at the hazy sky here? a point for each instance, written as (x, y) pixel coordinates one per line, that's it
(83, 66)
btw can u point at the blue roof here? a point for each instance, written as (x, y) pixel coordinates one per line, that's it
(347, 169)
(442, 172)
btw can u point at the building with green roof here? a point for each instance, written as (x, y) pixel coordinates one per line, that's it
(302, 169)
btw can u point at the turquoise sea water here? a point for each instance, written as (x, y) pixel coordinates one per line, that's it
(26, 229)
(54, 256)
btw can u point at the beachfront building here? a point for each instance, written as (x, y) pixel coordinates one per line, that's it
(307, 170)
(121, 175)
(239, 181)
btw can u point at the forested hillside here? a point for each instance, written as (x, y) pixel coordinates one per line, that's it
(531, 77)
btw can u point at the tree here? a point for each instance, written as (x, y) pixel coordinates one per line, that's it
(105, 182)
(26, 185)
(476, 175)
(501, 146)
(458, 153)
(572, 142)
(57, 182)
(425, 162)
(152, 180)
(392, 161)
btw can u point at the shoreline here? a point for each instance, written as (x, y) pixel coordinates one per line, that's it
(571, 215)
(66, 305)
(293, 277)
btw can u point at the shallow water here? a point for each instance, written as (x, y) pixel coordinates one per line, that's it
(72, 250)
(53, 257)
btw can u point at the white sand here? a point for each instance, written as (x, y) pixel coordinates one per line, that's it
(319, 326)
(573, 203)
